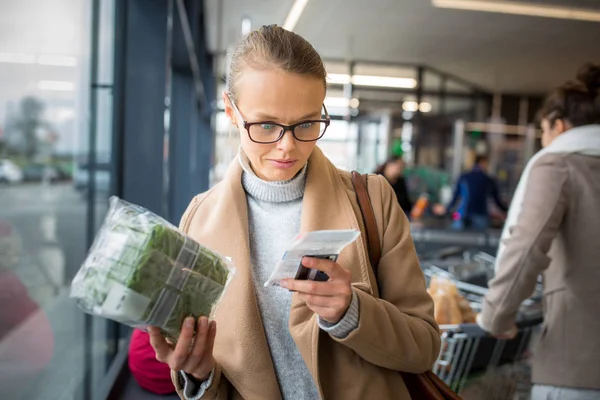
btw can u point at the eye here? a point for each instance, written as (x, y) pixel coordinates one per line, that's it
(267, 127)
(306, 125)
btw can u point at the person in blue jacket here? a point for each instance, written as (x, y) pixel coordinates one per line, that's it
(470, 199)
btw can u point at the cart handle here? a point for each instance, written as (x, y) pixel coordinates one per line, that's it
(475, 331)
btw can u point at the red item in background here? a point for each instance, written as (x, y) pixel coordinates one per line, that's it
(149, 373)
(24, 325)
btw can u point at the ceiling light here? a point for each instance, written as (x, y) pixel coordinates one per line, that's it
(519, 8)
(336, 102)
(425, 107)
(410, 106)
(62, 61)
(341, 102)
(17, 58)
(383, 81)
(369, 80)
(246, 26)
(338, 79)
(294, 15)
(413, 106)
(354, 103)
(61, 86)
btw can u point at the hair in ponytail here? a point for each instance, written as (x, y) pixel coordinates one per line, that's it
(576, 102)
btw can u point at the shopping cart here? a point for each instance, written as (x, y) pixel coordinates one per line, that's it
(474, 364)
(478, 366)
(470, 271)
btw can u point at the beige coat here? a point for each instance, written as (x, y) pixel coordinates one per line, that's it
(396, 333)
(557, 235)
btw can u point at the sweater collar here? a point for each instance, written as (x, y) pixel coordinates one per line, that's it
(271, 191)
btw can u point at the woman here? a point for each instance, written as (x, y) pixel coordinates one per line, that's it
(334, 339)
(552, 229)
(393, 171)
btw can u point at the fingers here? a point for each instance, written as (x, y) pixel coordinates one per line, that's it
(159, 344)
(331, 268)
(331, 302)
(312, 287)
(338, 288)
(194, 350)
(180, 355)
(207, 363)
(197, 350)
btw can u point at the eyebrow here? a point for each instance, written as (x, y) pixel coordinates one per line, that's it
(267, 117)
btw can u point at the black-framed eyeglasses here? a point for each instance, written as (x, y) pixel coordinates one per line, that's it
(266, 132)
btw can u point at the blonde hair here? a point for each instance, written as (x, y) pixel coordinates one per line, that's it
(271, 46)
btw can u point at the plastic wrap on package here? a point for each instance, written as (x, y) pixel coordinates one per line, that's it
(142, 271)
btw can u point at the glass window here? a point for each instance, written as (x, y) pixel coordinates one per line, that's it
(432, 81)
(457, 87)
(339, 144)
(458, 105)
(45, 194)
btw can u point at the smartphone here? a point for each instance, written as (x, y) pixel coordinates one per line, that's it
(314, 274)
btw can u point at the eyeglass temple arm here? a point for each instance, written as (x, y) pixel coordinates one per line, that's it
(326, 112)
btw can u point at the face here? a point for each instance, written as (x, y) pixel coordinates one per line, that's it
(394, 169)
(551, 132)
(484, 165)
(276, 96)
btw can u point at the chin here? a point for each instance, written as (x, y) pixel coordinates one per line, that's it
(276, 174)
(281, 175)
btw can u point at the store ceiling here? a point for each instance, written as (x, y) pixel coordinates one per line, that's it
(508, 53)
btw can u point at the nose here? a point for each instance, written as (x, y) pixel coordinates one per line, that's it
(287, 142)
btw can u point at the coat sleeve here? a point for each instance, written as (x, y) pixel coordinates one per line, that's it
(397, 331)
(525, 255)
(219, 388)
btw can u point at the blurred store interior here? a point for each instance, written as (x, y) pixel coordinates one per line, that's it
(123, 97)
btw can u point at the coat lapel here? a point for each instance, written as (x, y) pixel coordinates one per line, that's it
(240, 347)
(326, 206)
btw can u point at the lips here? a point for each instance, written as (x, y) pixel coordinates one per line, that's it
(283, 163)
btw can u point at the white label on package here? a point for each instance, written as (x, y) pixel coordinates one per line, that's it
(327, 244)
(124, 304)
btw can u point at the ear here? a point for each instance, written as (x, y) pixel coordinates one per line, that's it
(560, 126)
(229, 111)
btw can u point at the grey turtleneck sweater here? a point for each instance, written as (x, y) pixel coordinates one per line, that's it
(274, 213)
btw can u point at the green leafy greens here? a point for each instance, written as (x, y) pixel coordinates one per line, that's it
(141, 270)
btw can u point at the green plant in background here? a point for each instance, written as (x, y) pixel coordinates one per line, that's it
(142, 271)
(397, 149)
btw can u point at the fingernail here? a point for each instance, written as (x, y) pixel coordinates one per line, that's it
(283, 284)
(189, 322)
(307, 261)
(203, 322)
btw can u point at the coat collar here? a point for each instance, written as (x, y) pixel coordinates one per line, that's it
(241, 347)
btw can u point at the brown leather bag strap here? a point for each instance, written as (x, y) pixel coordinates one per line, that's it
(426, 386)
(360, 183)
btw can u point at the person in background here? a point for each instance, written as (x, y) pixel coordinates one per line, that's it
(149, 373)
(344, 338)
(473, 189)
(393, 171)
(552, 229)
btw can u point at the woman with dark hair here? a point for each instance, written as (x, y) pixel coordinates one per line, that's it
(552, 229)
(393, 171)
